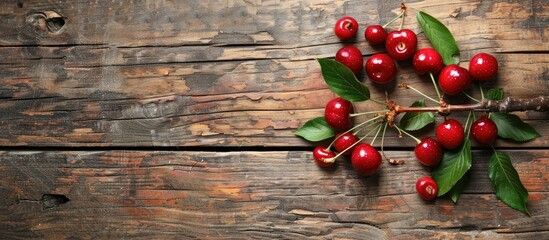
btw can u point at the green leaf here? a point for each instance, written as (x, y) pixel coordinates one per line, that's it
(456, 190)
(440, 37)
(453, 167)
(412, 121)
(315, 130)
(343, 81)
(506, 182)
(512, 127)
(495, 94)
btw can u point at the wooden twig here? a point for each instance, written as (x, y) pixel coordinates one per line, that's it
(509, 104)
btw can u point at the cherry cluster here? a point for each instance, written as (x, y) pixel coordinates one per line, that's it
(381, 68)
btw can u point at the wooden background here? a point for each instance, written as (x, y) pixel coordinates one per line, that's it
(174, 119)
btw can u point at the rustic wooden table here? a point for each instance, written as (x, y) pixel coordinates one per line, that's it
(175, 119)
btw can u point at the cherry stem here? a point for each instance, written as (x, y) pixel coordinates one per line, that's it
(423, 94)
(365, 113)
(367, 126)
(383, 139)
(358, 131)
(368, 134)
(375, 136)
(328, 160)
(435, 84)
(409, 135)
(472, 98)
(391, 161)
(481, 92)
(353, 128)
(467, 125)
(401, 21)
(394, 19)
(362, 128)
(378, 102)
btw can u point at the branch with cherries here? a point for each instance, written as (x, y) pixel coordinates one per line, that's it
(449, 152)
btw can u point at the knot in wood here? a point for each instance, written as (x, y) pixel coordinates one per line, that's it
(444, 109)
(47, 21)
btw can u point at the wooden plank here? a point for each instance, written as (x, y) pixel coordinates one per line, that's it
(187, 73)
(144, 194)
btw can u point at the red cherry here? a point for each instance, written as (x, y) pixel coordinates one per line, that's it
(454, 79)
(343, 144)
(375, 34)
(380, 68)
(450, 134)
(483, 67)
(428, 152)
(427, 60)
(484, 131)
(337, 113)
(320, 153)
(351, 57)
(365, 159)
(346, 28)
(402, 44)
(427, 188)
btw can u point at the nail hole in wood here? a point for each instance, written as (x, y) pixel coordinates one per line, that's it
(53, 200)
(20, 4)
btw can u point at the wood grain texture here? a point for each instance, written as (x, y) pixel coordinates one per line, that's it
(143, 194)
(231, 73)
(123, 78)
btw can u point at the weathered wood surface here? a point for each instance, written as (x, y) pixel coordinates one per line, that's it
(141, 194)
(232, 73)
(156, 73)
